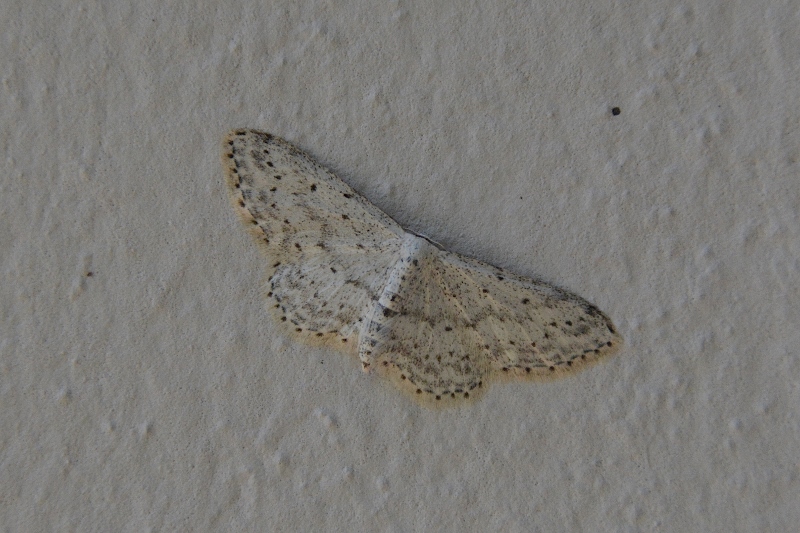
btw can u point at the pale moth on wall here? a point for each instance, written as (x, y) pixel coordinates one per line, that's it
(438, 325)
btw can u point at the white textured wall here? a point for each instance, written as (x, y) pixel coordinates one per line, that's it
(156, 394)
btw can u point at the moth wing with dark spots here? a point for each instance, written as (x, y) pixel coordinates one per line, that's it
(437, 324)
(446, 325)
(528, 327)
(328, 249)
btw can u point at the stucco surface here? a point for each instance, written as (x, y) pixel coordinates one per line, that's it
(143, 386)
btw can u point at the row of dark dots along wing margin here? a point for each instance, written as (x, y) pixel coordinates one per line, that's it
(438, 395)
(235, 169)
(266, 137)
(245, 194)
(236, 165)
(567, 362)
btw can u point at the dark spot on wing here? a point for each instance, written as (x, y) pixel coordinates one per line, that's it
(592, 311)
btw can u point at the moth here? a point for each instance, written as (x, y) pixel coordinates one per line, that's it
(438, 325)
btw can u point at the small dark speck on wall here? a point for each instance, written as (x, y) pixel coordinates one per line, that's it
(615, 111)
